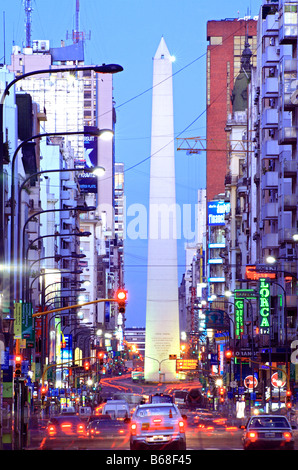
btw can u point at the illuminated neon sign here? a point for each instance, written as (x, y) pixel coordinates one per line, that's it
(239, 317)
(264, 306)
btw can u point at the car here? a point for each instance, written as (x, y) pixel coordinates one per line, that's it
(64, 432)
(161, 398)
(107, 428)
(157, 426)
(268, 431)
(117, 409)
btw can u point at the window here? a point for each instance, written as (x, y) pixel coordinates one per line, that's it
(215, 40)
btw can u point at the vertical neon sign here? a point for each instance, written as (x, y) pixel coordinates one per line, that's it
(264, 306)
(239, 317)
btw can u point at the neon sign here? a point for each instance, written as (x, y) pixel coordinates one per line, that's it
(239, 315)
(264, 306)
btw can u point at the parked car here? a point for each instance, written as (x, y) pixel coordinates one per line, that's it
(268, 431)
(157, 426)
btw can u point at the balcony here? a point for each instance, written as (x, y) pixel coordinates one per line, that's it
(287, 135)
(287, 33)
(269, 118)
(286, 235)
(269, 180)
(270, 56)
(290, 201)
(270, 240)
(270, 87)
(270, 148)
(290, 168)
(270, 210)
(270, 26)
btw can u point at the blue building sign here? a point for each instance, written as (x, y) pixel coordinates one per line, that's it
(217, 211)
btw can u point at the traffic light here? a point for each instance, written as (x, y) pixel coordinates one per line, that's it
(18, 366)
(101, 357)
(288, 399)
(228, 356)
(121, 296)
(43, 392)
(87, 365)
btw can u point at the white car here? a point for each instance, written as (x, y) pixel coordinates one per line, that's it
(157, 426)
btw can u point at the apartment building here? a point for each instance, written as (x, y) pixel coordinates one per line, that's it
(263, 189)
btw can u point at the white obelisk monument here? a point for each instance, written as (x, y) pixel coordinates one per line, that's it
(162, 310)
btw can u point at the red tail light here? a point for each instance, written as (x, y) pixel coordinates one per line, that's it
(81, 429)
(287, 435)
(181, 426)
(252, 435)
(133, 429)
(52, 430)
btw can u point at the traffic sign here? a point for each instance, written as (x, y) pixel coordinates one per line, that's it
(276, 381)
(250, 382)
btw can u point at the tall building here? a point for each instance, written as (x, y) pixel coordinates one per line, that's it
(262, 190)
(68, 103)
(226, 43)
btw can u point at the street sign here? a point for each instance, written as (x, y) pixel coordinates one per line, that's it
(276, 381)
(250, 382)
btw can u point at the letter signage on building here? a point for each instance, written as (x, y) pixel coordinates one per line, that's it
(239, 317)
(264, 306)
(217, 211)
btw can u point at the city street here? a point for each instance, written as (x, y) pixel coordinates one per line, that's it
(205, 429)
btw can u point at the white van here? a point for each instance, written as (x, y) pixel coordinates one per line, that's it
(85, 411)
(117, 409)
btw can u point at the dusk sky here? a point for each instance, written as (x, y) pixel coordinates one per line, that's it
(128, 32)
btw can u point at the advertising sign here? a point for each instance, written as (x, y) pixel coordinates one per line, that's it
(88, 181)
(217, 211)
(239, 317)
(27, 324)
(186, 364)
(264, 306)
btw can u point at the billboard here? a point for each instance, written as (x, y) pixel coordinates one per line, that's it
(88, 181)
(217, 211)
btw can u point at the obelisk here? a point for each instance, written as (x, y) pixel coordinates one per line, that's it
(162, 309)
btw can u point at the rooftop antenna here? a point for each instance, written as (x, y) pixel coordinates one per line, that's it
(78, 35)
(28, 22)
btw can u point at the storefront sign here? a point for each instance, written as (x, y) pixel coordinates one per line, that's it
(264, 306)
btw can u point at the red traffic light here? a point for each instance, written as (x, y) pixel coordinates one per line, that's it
(86, 365)
(18, 366)
(43, 390)
(228, 355)
(121, 295)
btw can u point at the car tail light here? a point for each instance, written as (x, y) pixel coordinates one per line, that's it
(287, 435)
(157, 420)
(133, 429)
(252, 435)
(80, 429)
(52, 430)
(181, 426)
